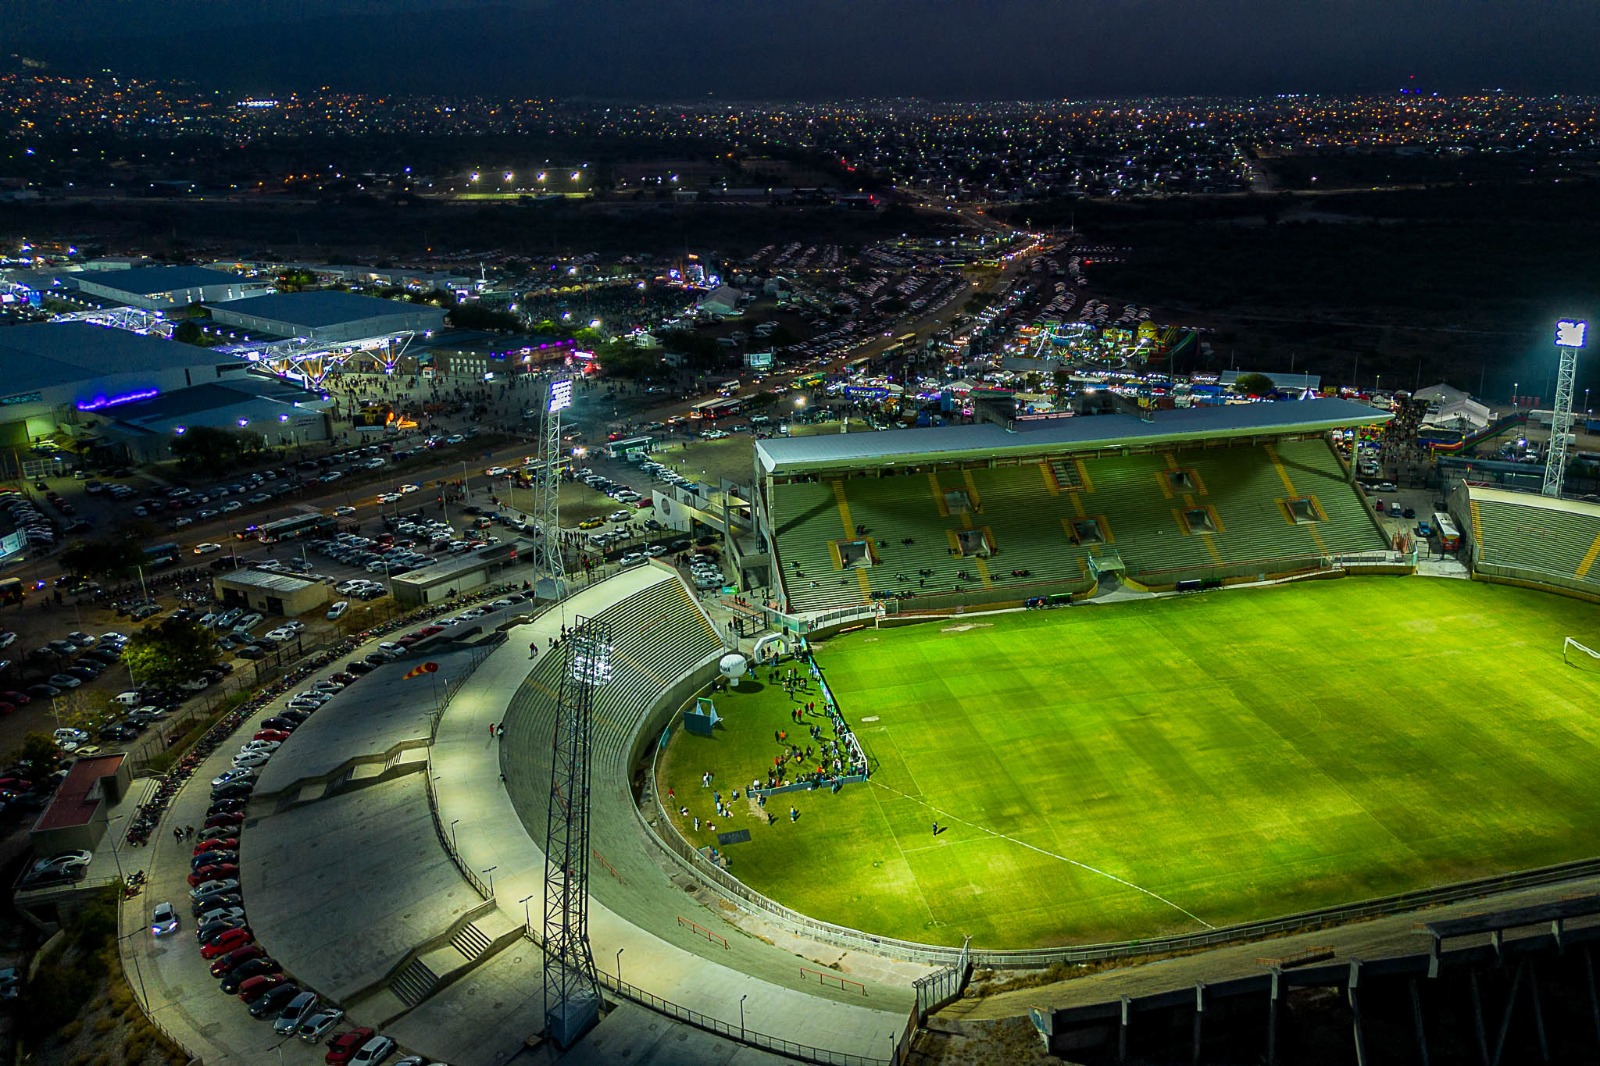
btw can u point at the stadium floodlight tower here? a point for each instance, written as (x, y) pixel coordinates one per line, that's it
(547, 490)
(1570, 336)
(571, 986)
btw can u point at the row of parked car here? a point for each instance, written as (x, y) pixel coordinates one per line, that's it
(242, 967)
(76, 658)
(37, 527)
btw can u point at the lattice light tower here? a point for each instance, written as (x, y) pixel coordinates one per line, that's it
(547, 491)
(571, 987)
(1570, 336)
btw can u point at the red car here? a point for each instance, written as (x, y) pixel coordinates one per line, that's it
(228, 941)
(343, 1046)
(12, 696)
(271, 734)
(213, 873)
(231, 818)
(429, 631)
(235, 957)
(217, 844)
(259, 984)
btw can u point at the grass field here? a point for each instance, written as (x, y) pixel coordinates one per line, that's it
(1153, 767)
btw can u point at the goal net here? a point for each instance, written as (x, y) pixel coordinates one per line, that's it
(1579, 655)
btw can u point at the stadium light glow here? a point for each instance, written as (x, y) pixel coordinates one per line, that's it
(1571, 332)
(560, 395)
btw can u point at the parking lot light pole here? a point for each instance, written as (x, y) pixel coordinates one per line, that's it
(741, 1014)
(619, 967)
(490, 871)
(453, 835)
(526, 920)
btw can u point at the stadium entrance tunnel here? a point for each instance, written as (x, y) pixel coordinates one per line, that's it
(854, 554)
(974, 542)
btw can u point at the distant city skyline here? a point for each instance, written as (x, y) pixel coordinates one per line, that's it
(824, 49)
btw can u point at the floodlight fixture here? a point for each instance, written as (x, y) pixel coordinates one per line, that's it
(1571, 333)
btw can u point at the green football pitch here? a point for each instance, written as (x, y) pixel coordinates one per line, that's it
(1118, 772)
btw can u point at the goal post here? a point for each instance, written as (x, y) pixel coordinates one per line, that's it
(1575, 654)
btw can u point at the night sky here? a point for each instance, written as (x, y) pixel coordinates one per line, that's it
(819, 49)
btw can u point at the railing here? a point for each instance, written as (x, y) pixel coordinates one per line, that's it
(444, 839)
(746, 1035)
(603, 861)
(1534, 575)
(843, 984)
(944, 985)
(715, 938)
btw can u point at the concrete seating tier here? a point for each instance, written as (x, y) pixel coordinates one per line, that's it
(1550, 540)
(1029, 514)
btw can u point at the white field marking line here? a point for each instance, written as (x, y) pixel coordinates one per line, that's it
(1051, 854)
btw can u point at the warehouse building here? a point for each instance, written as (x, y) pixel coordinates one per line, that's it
(56, 378)
(157, 288)
(282, 413)
(450, 577)
(326, 317)
(269, 593)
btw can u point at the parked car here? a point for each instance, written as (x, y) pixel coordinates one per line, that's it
(256, 966)
(226, 942)
(273, 1001)
(344, 1046)
(374, 1051)
(236, 958)
(314, 1028)
(294, 1013)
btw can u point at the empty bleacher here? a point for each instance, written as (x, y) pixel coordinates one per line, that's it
(1241, 494)
(1535, 537)
(657, 635)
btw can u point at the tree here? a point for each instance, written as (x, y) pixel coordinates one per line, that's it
(107, 556)
(171, 651)
(628, 360)
(1253, 385)
(215, 450)
(189, 332)
(41, 750)
(698, 350)
(478, 316)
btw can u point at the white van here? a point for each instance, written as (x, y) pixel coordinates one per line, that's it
(126, 699)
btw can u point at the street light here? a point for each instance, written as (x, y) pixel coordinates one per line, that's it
(453, 834)
(619, 967)
(741, 1014)
(490, 871)
(526, 920)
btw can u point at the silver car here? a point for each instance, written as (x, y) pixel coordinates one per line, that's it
(295, 1013)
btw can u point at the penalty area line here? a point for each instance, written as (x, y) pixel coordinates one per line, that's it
(1050, 854)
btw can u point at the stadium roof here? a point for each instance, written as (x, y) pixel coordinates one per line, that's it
(843, 451)
(1534, 499)
(45, 355)
(151, 280)
(315, 310)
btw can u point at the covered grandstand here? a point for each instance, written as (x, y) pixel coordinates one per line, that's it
(1522, 537)
(942, 518)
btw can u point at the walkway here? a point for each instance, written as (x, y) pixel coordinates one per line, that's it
(655, 954)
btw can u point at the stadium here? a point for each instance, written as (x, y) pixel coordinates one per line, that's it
(934, 764)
